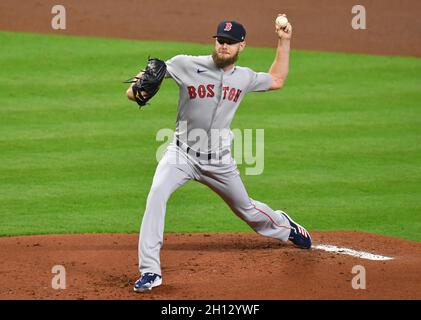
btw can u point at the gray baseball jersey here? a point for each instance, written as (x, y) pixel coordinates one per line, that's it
(209, 98)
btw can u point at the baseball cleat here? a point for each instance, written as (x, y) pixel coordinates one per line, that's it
(299, 235)
(147, 281)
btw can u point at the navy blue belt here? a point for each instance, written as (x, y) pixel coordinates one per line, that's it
(196, 153)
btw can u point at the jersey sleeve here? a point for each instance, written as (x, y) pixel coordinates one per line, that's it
(259, 81)
(175, 67)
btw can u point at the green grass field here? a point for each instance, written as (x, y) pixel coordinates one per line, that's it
(342, 140)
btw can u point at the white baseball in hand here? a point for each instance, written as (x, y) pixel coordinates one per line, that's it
(281, 21)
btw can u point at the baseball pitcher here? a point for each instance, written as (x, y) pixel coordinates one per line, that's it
(210, 90)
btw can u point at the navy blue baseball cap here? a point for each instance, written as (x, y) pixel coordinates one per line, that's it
(231, 30)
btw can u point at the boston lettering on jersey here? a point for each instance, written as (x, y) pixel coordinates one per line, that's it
(202, 91)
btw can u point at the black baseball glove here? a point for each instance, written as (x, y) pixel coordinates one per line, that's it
(147, 84)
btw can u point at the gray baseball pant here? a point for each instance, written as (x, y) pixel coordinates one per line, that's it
(175, 169)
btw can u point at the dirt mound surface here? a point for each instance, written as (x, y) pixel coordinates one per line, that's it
(209, 266)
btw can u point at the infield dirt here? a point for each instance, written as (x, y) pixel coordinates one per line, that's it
(392, 27)
(209, 266)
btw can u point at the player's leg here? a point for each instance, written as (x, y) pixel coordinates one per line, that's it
(171, 173)
(258, 215)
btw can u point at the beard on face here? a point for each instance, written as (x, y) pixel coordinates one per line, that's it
(221, 61)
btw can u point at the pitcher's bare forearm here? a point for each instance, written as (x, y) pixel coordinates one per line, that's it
(129, 91)
(280, 66)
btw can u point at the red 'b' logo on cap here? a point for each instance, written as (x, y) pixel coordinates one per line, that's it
(228, 26)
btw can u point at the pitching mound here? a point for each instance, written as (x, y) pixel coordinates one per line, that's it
(213, 266)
